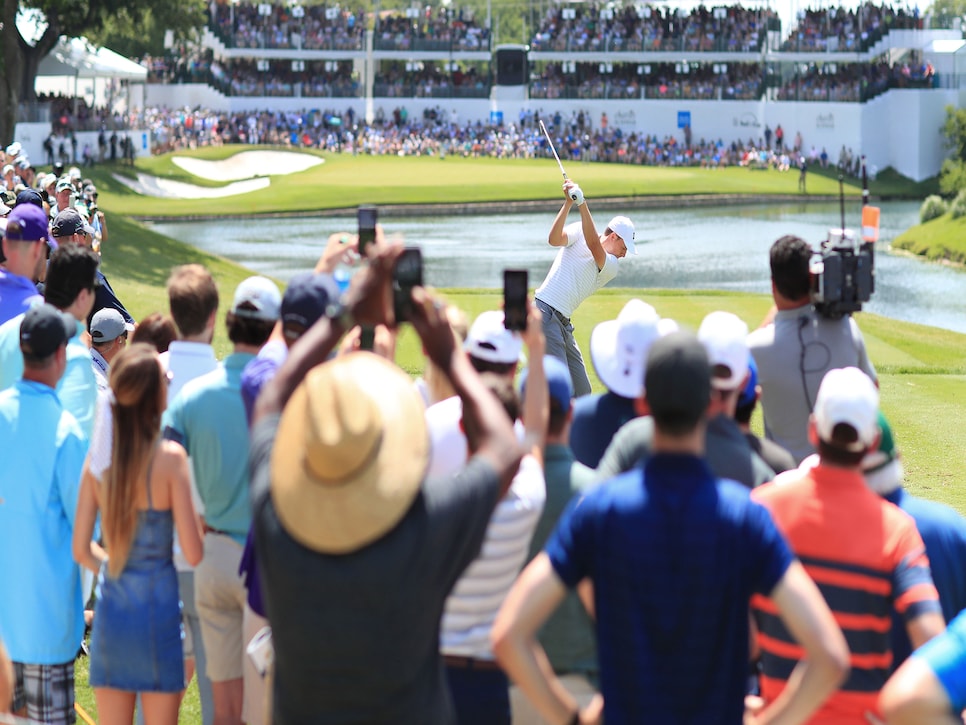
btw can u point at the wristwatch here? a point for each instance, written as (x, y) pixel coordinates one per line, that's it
(337, 311)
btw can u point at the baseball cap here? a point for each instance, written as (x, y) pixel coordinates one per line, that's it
(882, 468)
(29, 196)
(7, 169)
(558, 380)
(678, 379)
(625, 230)
(107, 324)
(68, 222)
(44, 329)
(307, 296)
(260, 297)
(747, 396)
(48, 180)
(724, 335)
(14, 149)
(28, 223)
(4, 209)
(63, 183)
(618, 348)
(489, 340)
(847, 396)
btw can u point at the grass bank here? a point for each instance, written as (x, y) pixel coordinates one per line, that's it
(943, 238)
(344, 181)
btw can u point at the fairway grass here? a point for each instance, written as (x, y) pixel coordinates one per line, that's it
(345, 181)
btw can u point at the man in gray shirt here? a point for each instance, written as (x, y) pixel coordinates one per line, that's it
(357, 550)
(795, 350)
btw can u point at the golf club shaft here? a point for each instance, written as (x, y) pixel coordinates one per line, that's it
(552, 149)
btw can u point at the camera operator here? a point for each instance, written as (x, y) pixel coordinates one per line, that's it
(795, 350)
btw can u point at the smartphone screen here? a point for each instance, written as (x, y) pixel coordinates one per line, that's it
(367, 217)
(367, 337)
(408, 274)
(515, 283)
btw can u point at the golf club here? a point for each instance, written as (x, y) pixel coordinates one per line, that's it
(552, 149)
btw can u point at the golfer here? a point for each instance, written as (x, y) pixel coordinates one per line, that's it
(585, 263)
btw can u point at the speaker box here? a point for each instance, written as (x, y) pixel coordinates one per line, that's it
(511, 67)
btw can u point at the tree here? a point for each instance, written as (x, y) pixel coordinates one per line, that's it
(19, 59)
(952, 177)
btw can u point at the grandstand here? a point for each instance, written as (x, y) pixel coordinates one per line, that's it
(873, 79)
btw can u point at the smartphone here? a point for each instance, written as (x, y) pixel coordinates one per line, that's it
(367, 216)
(515, 284)
(367, 337)
(408, 274)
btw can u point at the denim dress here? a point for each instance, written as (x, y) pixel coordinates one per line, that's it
(136, 638)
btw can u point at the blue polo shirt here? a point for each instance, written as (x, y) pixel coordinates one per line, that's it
(77, 388)
(17, 294)
(943, 531)
(675, 556)
(596, 419)
(208, 417)
(41, 612)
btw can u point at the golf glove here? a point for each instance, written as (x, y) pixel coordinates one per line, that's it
(577, 195)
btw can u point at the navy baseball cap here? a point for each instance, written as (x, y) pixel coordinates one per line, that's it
(307, 296)
(44, 329)
(558, 380)
(30, 196)
(28, 223)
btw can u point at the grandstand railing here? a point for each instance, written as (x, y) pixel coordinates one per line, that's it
(618, 91)
(620, 44)
(421, 90)
(430, 45)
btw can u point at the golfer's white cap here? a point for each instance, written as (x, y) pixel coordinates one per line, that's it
(624, 228)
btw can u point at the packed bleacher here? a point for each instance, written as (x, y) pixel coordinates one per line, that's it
(309, 27)
(735, 81)
(847, 30)
(430, 29)
(635, 28)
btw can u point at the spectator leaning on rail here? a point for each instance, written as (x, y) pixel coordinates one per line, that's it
(795, 349)
(362, 542)
(585, 263)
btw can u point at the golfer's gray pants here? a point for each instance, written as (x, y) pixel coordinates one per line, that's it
(561, 344)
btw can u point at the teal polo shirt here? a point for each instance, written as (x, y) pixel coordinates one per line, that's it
(207, 417)
(41, 612)
(77, 388)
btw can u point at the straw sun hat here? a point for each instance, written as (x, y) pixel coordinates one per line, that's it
(350, 453)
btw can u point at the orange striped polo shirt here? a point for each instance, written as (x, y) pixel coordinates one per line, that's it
(867, 557)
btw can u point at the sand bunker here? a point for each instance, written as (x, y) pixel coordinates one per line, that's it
(166, 189)
(247, 165)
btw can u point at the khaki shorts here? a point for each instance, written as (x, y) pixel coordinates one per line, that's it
(220, 599)
(524, 713)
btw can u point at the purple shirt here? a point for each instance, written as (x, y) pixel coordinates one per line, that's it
(17, 295)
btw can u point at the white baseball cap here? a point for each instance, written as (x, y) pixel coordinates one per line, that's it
(618, 348)
(262, 299)
(848, 396)
(624, 228)
(723, 335)
(489, 339)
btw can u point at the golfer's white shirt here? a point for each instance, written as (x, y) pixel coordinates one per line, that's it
(573, 277)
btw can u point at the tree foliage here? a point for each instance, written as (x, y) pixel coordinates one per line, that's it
(952, 177)
(19, 59)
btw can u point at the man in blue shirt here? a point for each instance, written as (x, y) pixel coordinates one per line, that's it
(208, 417)
(668, 558)
(25, 248)
(41, 613)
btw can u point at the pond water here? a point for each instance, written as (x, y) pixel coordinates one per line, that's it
(721, 247)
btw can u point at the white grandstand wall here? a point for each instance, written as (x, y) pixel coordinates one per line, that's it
(190, 95)
(32, 135)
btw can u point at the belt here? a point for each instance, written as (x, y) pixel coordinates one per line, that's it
(212, 530)
(470, 663)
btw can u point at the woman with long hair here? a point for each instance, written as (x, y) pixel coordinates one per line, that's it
(143, 496)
